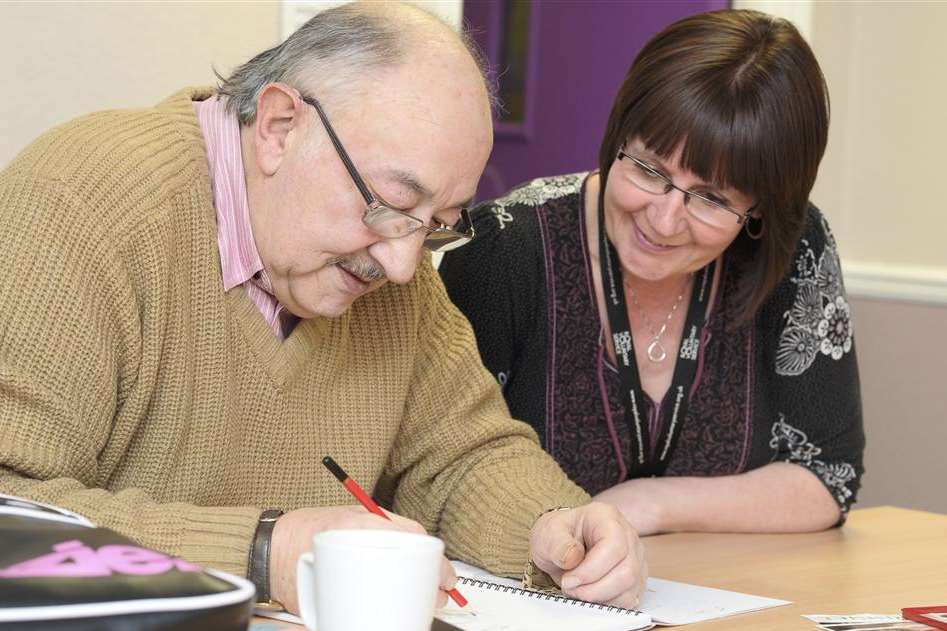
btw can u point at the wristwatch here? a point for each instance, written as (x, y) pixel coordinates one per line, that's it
(258, 569)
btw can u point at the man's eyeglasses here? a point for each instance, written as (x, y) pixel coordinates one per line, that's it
(392, 223)
(701, 207)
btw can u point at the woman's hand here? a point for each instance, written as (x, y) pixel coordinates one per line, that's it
(639, 501)
(778, 497)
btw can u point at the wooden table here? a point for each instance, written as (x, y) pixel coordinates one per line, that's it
(883, 559)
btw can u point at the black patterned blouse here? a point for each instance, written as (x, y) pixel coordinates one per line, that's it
(783, 388)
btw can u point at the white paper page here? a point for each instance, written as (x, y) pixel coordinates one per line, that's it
(673, 603)
(668, 602)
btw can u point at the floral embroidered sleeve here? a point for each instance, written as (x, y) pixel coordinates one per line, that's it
(816, 397)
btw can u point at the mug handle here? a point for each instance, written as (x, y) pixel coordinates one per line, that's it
(305, 591)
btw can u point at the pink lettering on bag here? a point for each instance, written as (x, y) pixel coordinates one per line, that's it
(74, 559)
(134, 560)
(71, 558)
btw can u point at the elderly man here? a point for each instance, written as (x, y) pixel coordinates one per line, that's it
(195, 307)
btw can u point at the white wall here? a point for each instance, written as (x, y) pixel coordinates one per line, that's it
(886, 64)
(66, 59)
(296, 12)
(900, 349)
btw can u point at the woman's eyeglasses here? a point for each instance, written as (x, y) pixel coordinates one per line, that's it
(701, 207)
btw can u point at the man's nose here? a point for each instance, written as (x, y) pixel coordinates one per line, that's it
(400, 256)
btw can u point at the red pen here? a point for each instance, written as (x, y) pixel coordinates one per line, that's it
(366, 501)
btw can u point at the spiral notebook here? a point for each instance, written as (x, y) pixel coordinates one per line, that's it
(499, 606)
(663, 603)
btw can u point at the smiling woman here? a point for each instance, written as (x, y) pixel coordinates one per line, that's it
(674, 325)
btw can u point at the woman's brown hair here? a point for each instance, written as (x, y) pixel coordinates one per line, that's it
(744, 95)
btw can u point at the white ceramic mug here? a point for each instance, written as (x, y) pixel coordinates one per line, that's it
(369, 579)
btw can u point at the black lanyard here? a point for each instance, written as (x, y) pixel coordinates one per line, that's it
(651, 461)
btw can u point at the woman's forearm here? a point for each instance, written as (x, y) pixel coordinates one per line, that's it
(778, 497)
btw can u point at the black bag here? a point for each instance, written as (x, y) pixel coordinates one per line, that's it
(58, 571)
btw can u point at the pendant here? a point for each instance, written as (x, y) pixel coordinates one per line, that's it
(656, 352)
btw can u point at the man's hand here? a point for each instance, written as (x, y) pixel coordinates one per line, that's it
(592, 552)
(293, 534)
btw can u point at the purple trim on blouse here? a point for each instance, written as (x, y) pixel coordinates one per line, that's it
(600, 359)
(704, 340)
(586, 254)
(609, 422)
(551, 357)
(705, 329)
(749, 400)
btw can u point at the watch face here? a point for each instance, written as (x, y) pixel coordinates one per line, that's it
(271, 515)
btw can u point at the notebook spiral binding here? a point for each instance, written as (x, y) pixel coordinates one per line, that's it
(529, 593)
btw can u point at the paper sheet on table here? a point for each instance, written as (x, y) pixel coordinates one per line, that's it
(668, 602)
(673, 603)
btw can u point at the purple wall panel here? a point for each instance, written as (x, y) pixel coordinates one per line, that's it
(581, 52)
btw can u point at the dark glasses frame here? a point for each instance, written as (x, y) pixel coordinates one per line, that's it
(378, 214)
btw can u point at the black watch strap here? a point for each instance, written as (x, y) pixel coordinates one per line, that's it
(258, 570)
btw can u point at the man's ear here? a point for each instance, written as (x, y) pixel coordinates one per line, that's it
(278, 115)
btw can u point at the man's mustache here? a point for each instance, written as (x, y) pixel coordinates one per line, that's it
(365, 268)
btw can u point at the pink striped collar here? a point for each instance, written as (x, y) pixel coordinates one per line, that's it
(239, 258)
(240, 262)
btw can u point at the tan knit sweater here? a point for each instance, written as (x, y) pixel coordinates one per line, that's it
(135, 391)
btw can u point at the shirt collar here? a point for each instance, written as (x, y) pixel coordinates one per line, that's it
(239, 258)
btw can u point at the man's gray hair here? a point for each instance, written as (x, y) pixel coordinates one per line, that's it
(335, 48)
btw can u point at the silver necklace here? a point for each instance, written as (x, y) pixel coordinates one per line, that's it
(656, 351)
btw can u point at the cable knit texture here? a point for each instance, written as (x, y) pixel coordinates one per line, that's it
(137, 392)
